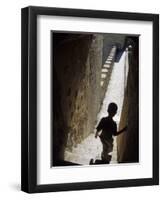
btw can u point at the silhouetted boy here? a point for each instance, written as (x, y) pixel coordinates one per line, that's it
(108, 128)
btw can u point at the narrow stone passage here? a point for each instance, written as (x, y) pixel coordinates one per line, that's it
(91, 147)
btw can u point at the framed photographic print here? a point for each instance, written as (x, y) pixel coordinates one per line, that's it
(90, 99)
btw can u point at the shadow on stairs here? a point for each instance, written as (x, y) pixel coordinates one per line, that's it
(64, 163)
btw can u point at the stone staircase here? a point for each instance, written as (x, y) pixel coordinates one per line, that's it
(106, 71)
(91, 147)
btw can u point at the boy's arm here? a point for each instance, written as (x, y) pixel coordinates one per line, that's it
(121, 131)
(99, 127)
(96, 134)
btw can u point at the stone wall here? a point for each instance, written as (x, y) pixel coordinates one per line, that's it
(76, 92)
(128, 142)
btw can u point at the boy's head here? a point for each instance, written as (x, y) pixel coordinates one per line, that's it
(112, 109)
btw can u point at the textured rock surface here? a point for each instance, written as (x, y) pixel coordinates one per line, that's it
(77, 63)
(128, 143)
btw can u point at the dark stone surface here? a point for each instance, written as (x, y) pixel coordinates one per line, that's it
(128, 142)
(65, 163)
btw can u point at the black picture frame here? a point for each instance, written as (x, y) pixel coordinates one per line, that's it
(29, 99)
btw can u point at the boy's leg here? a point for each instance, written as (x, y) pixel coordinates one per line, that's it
(107, 148)
(104, 151)
(110, 145)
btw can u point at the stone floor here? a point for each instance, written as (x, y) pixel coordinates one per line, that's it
(92, 147)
